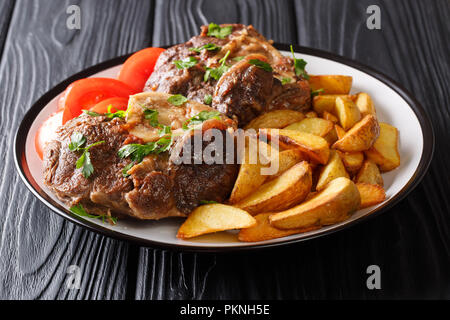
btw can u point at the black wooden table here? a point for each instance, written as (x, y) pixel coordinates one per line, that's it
(410, 243)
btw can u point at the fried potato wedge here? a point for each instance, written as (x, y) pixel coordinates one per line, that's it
(347, 112)
(333, 204)
(371, 194)
(365, 104)
(212, 218)
(286, 159)
(250, 176)
(361, 137)
(263, 230)
(333, 169)
(311, 114)
(281, 193)
(339, 131)
(384, 151)
(369, 173)
(331, 84)
(275, 119)
(315, 147)
(328, 116)
(352, 161)
(317, 126)
(327, 102)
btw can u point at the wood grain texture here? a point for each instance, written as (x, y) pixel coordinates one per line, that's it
(411, 243)
(36, 245)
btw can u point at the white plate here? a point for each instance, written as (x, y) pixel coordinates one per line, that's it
(394, 105)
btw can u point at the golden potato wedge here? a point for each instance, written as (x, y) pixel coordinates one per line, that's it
(327, 102)
(332, 205)
(365, 104)
(361, 137)
(214, 217)
(311, 114)
(275, 119)
(281, 193)
(286, 159)
(371, 194)
(331, 84)
(315, 147)
(339, 131)
(263, 230)
(352, 161)
(250, 176)
(384, 151)
(328, 116)
(333, 169)
(317, 126)
(369, 173)
(347, 112)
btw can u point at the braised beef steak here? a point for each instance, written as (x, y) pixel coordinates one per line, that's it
(155, 188)
(262, 91)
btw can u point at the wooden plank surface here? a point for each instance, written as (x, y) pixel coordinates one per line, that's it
(410, 242)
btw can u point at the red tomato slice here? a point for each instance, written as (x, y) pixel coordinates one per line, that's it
(117, 103)
(85, 93)
(138, 68)
(47, 132)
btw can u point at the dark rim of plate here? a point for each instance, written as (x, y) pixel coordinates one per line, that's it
(23, 170)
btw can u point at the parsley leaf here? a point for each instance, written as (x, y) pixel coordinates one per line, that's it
(152, 115)
(261, 64)
(216, 73)
(286, 80)
(239, 58)
(208, 46)
(217, 31)
(165, 130)
(136, 152)
(316, 92)
(77, 140)
(299, 65)
(80, 211)
(207, 99)
(200, 118)
(177, 99)
(126, 168)
(207, 201)
(186, 63)
(111, 115)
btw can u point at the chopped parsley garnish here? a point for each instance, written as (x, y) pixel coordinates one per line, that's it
(177, 99)
(111, 115)
(165, 130)
(239, 58)
(216, 73)
(286, 80)
(299, 65)
(80, 211)
(316, 92)
(136, 152)
(77, 140)
(261, 64)
(152, 116)
(207, 201)
(217, 31)
(200, 118)
(186, 63)
(207, 99)
(208, 47)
